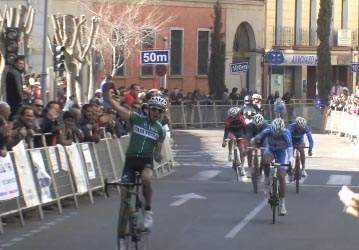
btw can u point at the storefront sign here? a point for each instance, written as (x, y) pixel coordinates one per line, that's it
(344, 37)
(295, 59)
(312, 60)
(355, 67)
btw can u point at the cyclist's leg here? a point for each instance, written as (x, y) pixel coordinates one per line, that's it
(146, 175)
(250, 158)
(302, 155)
(280, 157)
(267, 158)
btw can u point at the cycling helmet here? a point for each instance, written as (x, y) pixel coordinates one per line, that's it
(278, 125)
(258, 119)
(301, 122)
(247, 99)
(158, 102)
(233, 111)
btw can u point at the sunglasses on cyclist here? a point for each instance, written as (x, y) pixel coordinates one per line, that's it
(157, 109)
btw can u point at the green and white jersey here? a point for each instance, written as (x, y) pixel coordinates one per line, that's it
(144, 136)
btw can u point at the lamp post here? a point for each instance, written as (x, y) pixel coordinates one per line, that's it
(43, 70)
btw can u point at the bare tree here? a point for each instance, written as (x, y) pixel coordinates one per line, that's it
(125, 27)
(21, 18)
(71, 33)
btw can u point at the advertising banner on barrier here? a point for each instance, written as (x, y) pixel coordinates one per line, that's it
(8, 183)
(88, 161)
(27, 182)
(77, 168)
(43, 178)
(63, 158)
(53, 160)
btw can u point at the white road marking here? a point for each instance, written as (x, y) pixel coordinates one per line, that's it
(205, 175)
(17, 239)
(186, 197)
(247, 219)
(7, 245)
(338, 179)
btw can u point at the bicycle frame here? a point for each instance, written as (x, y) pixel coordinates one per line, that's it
(129, 221)
(297, 167)
(274, 195)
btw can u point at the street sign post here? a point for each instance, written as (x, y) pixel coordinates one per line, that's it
(275, 57)
(155, 57)
(237, 68)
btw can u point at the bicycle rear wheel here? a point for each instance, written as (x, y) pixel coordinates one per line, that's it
(255, 174)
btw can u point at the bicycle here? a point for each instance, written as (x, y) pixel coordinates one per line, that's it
(297, 170)
(256, 168)
(274, 193)
(236, 162)
(130, 221)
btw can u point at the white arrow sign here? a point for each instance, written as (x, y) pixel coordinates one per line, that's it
(186, 197)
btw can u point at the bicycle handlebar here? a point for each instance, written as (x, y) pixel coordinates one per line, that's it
(298, 147)
(118, 184)
(238, 139)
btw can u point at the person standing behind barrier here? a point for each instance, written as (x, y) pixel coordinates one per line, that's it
(23, 127)
(279, 108)
(146, 138)
(4, 136)
(88, 124)
(51, 123)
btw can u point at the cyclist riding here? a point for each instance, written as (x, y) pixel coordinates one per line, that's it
(298, 129)
(248, 109)
(146, 138)
(235, 128)
(279, 148)
(254, 128)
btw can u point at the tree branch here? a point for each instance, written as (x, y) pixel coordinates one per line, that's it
(30, 20)
(94, 28)
(55, 24)
(77, 27)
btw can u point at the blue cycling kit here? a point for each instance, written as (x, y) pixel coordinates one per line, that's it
(298, 135)
(279, 145)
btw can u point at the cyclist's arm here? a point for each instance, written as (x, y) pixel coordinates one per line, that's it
(123, 112)
(226, 129)
(310, 138)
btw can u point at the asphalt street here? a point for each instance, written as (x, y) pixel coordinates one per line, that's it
(200, 206)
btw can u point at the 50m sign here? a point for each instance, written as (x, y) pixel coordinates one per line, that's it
(155, 57)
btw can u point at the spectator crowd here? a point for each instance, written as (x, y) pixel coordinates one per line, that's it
(342, 100)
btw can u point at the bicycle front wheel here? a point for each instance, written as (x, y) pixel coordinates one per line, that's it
(123, 230)
(255, 174)
(275, 199)
(297, 174)
(236, 164)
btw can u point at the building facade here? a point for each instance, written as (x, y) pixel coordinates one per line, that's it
(291, 28)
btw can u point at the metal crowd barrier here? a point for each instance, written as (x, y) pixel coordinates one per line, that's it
(199, 115)
(35, 178)
(342, 122)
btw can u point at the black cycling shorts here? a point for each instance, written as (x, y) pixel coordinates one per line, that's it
(133, 165)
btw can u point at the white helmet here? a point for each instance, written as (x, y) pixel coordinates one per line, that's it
(301, 122)
(258, 119)
(278, 125)
(158, 102)
(233, 111)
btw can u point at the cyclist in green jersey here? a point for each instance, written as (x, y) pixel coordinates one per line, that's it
(146, 138)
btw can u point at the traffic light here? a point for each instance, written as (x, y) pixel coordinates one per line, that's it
(59, 59)
(12, 36)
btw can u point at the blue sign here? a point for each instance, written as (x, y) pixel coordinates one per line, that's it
(155, 57)
(239, 67)
(275, 57)
(355, 67)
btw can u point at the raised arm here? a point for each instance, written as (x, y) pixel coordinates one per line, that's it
(123, 112)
